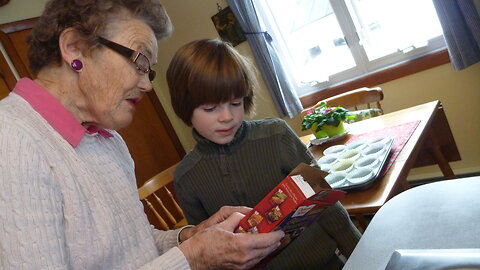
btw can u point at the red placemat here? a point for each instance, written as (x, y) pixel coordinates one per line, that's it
(400, 133)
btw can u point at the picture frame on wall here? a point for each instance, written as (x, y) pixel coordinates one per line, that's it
(228, 27)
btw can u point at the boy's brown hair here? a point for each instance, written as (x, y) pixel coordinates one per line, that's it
(208, 71)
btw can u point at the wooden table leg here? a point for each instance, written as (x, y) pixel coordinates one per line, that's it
(440, 158)
(362, 221)
(439, 146)
(404, 185)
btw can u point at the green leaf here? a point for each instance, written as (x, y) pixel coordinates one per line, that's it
(319, 116)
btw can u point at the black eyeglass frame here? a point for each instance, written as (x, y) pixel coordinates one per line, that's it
(130, 54)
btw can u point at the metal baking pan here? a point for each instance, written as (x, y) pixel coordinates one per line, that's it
(356, 165)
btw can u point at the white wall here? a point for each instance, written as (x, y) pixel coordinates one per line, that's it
(17, 10)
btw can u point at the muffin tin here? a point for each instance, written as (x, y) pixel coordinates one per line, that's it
(355, 165)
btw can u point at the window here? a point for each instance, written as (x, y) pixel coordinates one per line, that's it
(323, 43)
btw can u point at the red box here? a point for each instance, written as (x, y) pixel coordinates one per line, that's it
(295, 203)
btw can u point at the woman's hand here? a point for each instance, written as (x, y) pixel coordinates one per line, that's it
(218, 217)
(213, 245)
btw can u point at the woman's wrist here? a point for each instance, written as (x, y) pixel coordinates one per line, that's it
(186, 232)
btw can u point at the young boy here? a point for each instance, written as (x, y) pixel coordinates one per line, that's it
(237, 162)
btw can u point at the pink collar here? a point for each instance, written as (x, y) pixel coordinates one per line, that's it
(53, 111)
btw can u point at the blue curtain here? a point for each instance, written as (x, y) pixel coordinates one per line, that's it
(460, 21)
(280, 87)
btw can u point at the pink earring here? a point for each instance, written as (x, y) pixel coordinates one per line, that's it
(76, 65)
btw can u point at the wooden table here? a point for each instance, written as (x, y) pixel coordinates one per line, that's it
(431, 143)
(440, 215)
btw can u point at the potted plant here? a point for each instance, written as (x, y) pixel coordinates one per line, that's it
(326, 121)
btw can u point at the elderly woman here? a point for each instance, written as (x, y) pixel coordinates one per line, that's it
(68, 198)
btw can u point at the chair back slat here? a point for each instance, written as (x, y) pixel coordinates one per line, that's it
(167, 213)
(163, 224)
(174, 202)
(164, 205)
(357, 99)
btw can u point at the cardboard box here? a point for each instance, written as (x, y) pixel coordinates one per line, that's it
(295, 203)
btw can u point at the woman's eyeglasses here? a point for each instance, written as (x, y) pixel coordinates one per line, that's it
(138, 58)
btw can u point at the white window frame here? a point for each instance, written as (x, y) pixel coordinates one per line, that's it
(363, 65)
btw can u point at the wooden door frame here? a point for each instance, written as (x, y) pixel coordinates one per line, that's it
(7, 43)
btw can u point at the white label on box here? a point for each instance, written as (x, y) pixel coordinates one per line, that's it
(304, 186)
(302, 210)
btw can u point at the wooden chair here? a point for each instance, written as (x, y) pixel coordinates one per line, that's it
(161, 201)
(361, 98)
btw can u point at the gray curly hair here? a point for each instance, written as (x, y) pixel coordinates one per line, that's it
(90, 18)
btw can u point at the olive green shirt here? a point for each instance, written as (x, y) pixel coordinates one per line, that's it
(242, 172)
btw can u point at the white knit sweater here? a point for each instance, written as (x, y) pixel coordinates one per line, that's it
(72, 208)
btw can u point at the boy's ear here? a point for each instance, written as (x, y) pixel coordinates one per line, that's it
(71, 44)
